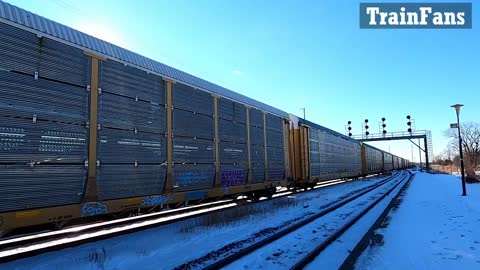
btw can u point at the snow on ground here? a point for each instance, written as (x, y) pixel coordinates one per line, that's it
(336, 253)
(433, 228)
(290, 249)
(171, 245)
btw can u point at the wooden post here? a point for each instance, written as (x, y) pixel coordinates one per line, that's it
(293, 151)
(364, 160)
(308, 173)
(169, 182)
(286, 147)
(91, 193)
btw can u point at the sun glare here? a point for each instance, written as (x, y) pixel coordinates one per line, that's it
(102, 31)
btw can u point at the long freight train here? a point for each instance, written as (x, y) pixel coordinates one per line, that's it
(90, 129)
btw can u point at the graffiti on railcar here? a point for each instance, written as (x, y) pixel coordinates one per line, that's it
(157, 200)
(233, 177)
(94, 209)
(191, 178)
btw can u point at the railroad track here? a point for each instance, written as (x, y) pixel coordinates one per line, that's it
(33, 244)
(233, 252)
(312, 255)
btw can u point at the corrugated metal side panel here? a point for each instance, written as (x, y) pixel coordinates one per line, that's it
(131, 82)
(41, 24)
(18, 49)
(338, 157)
(233, 152)
(225, 109)
(192, 125)
(233, 111)
(374, 160)
(258, 172)
(314, 153)
(276, 163)
(232, 131)
(274, 122)
(22, 96)
(131, 141)
(193, 177)
(275, 155)
(43, 138)
(388, 162)
(22, 141)
(192, 100)
(62, 63)
(256, 118)
(203, 102)
(124, 146)
(189, 150)
(315, 169)
(123, 181)
(233, 175)
(256, 136)
(239, 113)
(274, 139)
(126, 113)
(41, 186)
(276, 172)
(257, 153)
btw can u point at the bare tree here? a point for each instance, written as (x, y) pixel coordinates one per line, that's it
(470, 132)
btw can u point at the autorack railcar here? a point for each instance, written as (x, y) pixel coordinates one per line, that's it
(373, 160)
(323, 154)
(90, 129)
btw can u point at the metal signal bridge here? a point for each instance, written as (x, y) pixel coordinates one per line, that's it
(383, 135)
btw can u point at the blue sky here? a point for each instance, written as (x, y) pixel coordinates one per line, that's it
(294, 54)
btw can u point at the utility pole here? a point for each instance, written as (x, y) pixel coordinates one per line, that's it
(303, 109)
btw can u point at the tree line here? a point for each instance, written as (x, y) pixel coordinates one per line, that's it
(470, 133)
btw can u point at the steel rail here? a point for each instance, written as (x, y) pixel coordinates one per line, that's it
(324, 244)
(330, 208)
(26, 244)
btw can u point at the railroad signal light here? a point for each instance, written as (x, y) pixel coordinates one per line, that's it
(384, 126)
(409, 123)
(349, 128)
(366, 126)
(367, 133)
(366, 121)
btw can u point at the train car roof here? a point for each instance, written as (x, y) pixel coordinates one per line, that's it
(322, 128)
(29, 21)
(370, 146)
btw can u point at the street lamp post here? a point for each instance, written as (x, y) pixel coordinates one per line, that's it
(457, 108)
